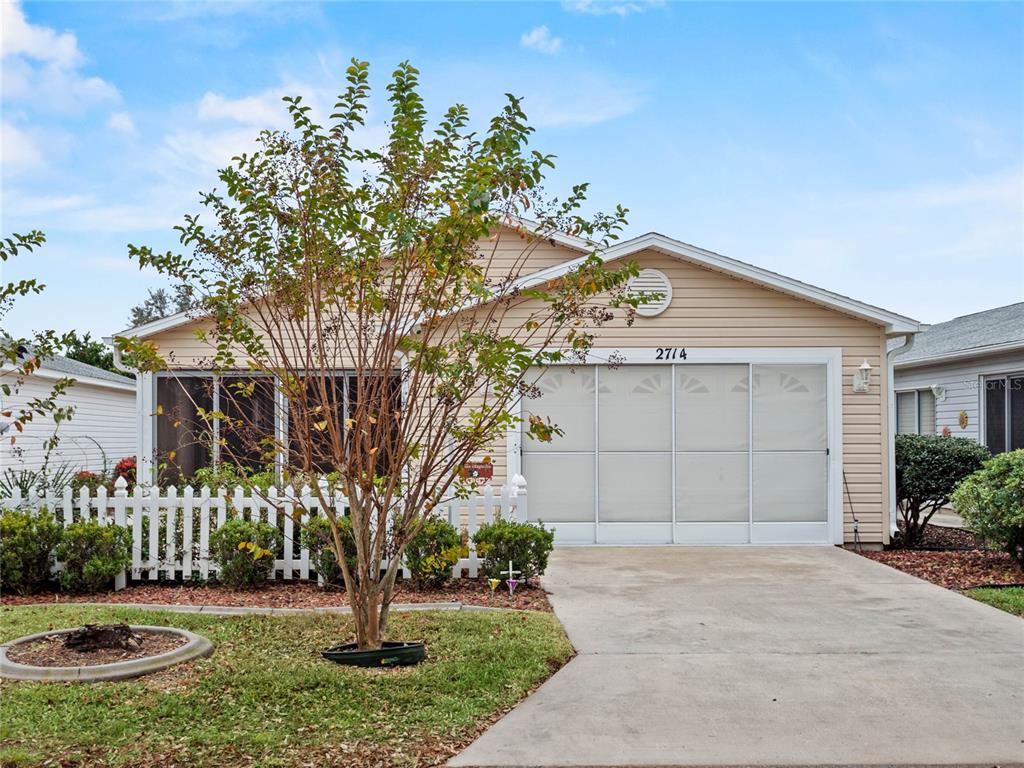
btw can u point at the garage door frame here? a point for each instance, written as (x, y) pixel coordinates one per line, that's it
(767, 533)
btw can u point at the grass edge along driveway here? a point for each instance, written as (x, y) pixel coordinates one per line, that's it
(1009, 599)
(266, 698)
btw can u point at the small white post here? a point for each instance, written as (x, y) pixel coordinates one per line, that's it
(172, 532)
(120, 520)
(519, 493)
(154, 533)
(188, 531)
(69, 506)
(83, 504)
(287, 507)
(204, 532)
(137, 515)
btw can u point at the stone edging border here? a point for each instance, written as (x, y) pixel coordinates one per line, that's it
(196, 647)
(246, 610)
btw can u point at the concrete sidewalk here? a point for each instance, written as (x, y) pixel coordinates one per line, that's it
(765, 656)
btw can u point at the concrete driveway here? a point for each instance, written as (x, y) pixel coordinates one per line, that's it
(765, 656)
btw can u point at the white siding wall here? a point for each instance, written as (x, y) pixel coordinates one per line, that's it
(104, 422)
(962, 381)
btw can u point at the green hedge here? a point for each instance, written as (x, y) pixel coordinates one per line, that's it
(316, 537)
(991, 502)
(433, 552)
(245, 552)
(93, 555)
(928, 469)
(527, 545)
(27, 544)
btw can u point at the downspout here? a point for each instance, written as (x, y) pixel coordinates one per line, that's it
(144, 466)
(118, 362)
(908, 343)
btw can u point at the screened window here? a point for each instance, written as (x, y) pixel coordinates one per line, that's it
(247, 432)
(304, 418)
(255, 416)
(1004, 413)
(915, 412)
(184, 440)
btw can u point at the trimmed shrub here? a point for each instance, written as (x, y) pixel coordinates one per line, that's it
(245, 552)
(928, 469)
(93, 555)
(525, 544)
(316, 537)
(432, 553)
(229, 477)
(27, 543)
(991, 502)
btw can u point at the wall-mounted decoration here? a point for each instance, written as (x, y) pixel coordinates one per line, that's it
(862, 378)
(963, 419)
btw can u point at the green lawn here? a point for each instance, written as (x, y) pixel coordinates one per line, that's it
(265, 698)
(1009, 599)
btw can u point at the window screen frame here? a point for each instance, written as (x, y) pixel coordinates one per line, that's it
(1008, 409)
(280, 404)
(836, 393)
(917, 410)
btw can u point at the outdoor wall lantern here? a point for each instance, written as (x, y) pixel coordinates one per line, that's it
(862, 377)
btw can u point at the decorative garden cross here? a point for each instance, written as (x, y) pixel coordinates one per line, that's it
(512, 581)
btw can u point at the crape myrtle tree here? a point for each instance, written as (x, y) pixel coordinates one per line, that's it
(322, 257)
(21, 356)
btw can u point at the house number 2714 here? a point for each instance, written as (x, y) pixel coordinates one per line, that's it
(670, 353)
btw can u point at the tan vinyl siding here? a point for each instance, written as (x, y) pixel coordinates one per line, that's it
(506, 253)
(714, 310)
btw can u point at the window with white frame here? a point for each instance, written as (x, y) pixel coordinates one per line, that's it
(1003, 409)
(915, 412)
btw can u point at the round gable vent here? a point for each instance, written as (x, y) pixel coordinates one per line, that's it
(648, 282)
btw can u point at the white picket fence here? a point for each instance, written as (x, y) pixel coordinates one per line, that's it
(171, 529)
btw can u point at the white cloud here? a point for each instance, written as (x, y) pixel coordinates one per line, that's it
(610, 7)
(18, 37)
(264, 110)
(18, 149)
(540, 39)
(21, 204)
(42, 66)
(122, 123)
(581, 99)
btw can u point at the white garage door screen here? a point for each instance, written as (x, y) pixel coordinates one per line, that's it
(724, 446)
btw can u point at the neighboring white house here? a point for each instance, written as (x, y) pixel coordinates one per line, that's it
(103, 428)
(965, 377)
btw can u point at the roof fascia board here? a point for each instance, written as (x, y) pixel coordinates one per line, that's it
(44, 373)
(893, 322)
(156, 326)
(963, 354)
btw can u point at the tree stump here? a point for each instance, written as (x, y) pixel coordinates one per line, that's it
(93, 637)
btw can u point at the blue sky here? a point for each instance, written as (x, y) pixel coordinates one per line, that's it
(876, 150)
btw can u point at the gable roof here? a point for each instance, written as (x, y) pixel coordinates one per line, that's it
(982, 333)
(891, 321)
(58, 367)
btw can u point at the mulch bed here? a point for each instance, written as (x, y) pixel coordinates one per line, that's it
(952, 558)
(953, 570)
(296, 594)
(943, 539)
(50, 651)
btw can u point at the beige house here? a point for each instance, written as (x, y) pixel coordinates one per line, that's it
(742, 407)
